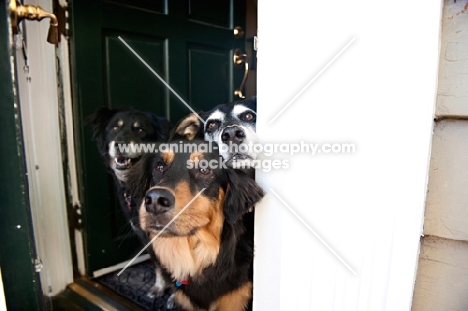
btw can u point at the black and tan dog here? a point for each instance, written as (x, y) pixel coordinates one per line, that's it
(117, 132)
(194, 208)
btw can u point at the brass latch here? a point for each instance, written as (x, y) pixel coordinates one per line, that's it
(18, 12)
(240, 58)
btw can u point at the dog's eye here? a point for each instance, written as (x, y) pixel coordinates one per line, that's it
(248, 117)
(212, 125)
(139, 130)
(115, 128)
(204, 171)
(159, 167)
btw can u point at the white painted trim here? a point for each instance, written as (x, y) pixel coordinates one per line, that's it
(39, 112)
(73, 188)
(80, 253)
(2, 293)
(64, 53)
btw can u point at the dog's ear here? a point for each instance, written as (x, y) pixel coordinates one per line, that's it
(98, 122)
(162, 126)
(241, 195)
(252, 103)
(189, 127)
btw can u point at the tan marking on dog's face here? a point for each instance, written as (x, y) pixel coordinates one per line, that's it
(192, 241)
(168, 156)
(196, 157)
(136, 124)
(237, 300)
(142, 216)
(120, 122)
(200, 213)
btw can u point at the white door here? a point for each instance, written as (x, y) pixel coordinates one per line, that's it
(340, 230)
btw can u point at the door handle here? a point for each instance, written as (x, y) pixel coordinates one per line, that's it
(18, 12)
(240, 58)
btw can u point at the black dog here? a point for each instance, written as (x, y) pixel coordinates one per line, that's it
(194, 211)
(117, 132)
(114, 129)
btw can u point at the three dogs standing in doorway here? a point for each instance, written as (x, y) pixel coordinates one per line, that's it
(197, 216)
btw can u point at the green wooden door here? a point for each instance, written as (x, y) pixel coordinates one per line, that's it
(190, 44)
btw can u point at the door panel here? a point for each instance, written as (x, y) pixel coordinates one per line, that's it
(211, 11)
(189, 44)
(158, 6)
(129, 82)
(210, 68)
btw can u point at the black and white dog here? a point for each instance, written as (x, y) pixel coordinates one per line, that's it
(117, 132)
(232, 126)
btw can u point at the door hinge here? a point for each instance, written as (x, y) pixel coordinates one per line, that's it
(62, 10)
(38, 265)
(75, 219)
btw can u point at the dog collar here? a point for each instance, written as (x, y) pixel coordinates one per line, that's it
(182, 282)
(128, 200)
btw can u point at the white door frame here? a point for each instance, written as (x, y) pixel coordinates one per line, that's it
(38, 93)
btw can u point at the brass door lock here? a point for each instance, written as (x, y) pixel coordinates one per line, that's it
(18, 12)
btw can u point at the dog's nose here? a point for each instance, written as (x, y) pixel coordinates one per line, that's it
(159, 201)
(233, 134)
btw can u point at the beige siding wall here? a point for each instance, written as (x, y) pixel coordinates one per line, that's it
(447, 199)
(442, 278)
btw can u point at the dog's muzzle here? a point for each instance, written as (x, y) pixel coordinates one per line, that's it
(233, 134)
(122, 154)
(159, 200)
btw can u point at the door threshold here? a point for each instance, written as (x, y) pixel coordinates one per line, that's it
(85, 294)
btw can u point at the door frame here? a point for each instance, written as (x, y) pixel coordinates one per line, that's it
(43, 128)
(21, 284)
(85, 38)
(44, 131)
(66, 185)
